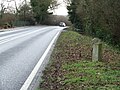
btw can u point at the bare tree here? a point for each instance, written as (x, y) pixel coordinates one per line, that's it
(2, 9)
(67, 2)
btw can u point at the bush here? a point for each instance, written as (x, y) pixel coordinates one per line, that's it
(97, 18)
(56, 19)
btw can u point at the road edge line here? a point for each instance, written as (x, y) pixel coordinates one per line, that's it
(29, 80)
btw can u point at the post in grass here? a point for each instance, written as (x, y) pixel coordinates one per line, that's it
(97, 50)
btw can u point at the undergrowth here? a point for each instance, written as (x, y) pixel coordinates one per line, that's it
(71, 68)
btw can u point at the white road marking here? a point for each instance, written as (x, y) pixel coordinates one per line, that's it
(36, 68)
(12, 35)
(19, 29)
(8, 40)
(13, 30)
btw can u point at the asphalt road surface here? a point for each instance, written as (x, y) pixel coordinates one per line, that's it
(20, 51)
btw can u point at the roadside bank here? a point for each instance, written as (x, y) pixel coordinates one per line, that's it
(71, 68)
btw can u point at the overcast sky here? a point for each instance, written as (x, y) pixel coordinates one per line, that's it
(60, 11)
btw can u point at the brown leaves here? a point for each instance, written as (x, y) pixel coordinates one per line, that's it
(69, 50)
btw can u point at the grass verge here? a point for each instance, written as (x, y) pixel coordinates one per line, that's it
(70, 66)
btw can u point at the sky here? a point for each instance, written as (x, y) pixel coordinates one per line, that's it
(61, 10)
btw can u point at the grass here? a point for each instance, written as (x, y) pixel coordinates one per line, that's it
(91, 74)
(71, 68)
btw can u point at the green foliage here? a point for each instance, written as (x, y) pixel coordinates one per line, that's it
(73, 17)
(56, 19)
(25, 15)
(92, 75)
(71, 67)
(2, 10)
(97, 18)
(40, 9)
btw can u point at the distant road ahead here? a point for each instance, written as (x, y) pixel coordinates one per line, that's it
(20, 51)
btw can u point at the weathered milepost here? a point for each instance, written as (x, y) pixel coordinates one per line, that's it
(97, 50)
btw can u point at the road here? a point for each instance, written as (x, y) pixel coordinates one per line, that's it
(20, 51)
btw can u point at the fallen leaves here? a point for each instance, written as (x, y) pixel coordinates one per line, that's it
(70, 50)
